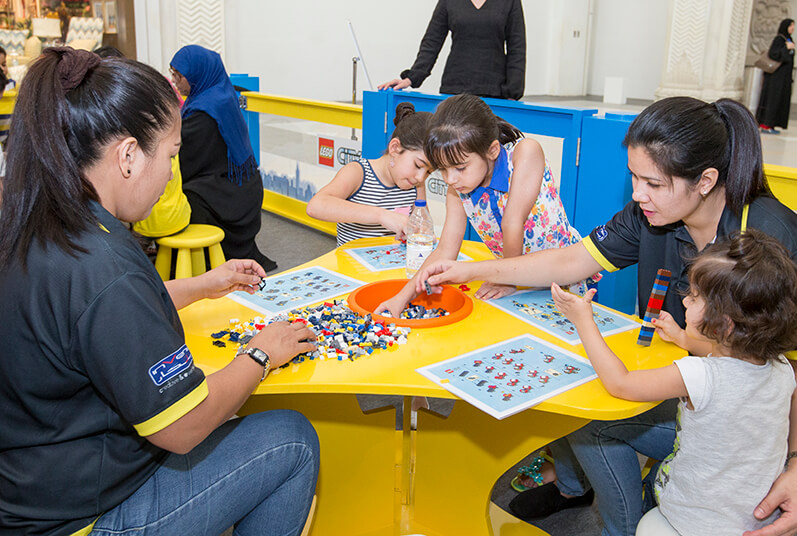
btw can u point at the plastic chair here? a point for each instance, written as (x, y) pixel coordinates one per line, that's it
(190, 245)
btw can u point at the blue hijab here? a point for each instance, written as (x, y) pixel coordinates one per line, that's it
(212, 93)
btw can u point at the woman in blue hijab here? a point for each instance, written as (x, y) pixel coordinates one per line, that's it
(220, 175)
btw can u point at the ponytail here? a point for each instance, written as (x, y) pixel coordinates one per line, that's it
(745, 176)
(70, 106)
(464, 124)
(685, 136)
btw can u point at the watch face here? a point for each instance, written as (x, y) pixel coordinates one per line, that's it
(258, 355)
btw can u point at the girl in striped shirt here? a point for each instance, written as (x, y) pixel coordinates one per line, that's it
(372, 197)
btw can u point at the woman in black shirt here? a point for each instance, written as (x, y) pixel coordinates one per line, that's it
(488, 49)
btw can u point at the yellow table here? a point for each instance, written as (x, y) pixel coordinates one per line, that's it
(376, 480)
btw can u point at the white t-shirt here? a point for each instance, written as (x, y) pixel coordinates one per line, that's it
(729, 448)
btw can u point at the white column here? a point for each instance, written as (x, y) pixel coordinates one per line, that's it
(706, 49)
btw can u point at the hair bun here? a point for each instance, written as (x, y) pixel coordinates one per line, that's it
(403, 109)
(73, 65)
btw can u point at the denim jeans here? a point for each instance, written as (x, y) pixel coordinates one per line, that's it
(606, 453)
(257, 473)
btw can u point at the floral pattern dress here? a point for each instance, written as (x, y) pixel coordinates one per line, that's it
(546, 227)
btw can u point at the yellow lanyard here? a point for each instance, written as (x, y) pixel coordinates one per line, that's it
(745, 210)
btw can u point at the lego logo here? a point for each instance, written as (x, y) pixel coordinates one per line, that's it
(326, 152)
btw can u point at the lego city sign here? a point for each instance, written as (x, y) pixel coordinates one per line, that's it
(337, 152)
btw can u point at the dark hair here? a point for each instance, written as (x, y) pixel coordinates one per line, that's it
(464, 124)
(750, 280)
(3, 51)
(70, 105)
(411, 126)
(108, 51)
(685, 136)
(783, 28)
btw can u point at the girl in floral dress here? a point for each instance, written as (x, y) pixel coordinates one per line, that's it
(498, 181)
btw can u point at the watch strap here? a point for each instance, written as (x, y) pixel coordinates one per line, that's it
(260, 357)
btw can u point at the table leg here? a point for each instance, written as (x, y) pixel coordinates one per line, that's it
(458, 460)
(359, 484)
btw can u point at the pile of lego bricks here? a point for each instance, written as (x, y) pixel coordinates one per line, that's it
(340, 332)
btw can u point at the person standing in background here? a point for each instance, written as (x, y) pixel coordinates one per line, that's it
(773, 108)
(488, 49)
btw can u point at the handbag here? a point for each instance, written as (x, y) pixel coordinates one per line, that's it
(767, 64)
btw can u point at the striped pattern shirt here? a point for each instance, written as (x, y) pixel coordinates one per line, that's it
(373, 192)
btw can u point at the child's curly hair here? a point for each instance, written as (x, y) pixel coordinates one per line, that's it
(749, 284)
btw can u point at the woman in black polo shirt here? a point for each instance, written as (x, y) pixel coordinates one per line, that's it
(107, 426)
(697, 176)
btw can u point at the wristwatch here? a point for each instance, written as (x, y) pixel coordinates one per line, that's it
(259, 356)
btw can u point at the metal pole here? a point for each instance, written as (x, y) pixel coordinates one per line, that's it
(354, 89)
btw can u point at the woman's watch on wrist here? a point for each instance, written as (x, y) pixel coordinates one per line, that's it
(259, 356)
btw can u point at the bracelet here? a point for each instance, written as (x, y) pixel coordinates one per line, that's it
(789, 456)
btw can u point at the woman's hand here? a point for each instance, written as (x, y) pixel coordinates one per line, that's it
(493, 291)
(444, 271)
(396, 83)
(235, 274)
(789, 45)
(282, 341)
(577, 309)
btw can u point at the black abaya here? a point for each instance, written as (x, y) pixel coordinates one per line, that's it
(773, 107)
(213, 197)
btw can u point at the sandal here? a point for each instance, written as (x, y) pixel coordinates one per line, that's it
(531, 471)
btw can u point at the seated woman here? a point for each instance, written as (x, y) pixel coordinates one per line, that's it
(220, 175)
(108, 427)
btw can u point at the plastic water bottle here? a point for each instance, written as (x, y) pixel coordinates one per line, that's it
(420, 237)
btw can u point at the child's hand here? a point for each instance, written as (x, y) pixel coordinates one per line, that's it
(394, 305)
(577, 309)
(395, 222)
(668, 329)
(493, 291)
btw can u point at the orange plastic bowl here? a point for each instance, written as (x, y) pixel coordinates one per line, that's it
(365, 299)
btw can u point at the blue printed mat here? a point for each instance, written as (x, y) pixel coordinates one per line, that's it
(292, 290)
(510, 376)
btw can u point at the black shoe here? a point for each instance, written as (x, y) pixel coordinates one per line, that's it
(268, 265)
(544, 501)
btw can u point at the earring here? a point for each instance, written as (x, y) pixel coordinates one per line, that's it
(392, 163)
(128, 172)
(704, 194)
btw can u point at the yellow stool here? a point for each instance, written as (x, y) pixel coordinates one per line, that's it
(190, 244)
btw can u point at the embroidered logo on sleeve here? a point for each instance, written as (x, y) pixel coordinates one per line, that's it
(601, 233)
(171, 365)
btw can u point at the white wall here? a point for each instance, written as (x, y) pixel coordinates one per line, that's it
(628, 40)
(303, 48)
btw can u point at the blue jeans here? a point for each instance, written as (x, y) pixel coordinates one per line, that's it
(606, 453)
(257, 473)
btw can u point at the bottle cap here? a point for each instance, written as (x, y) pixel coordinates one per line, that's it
(420, 202)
